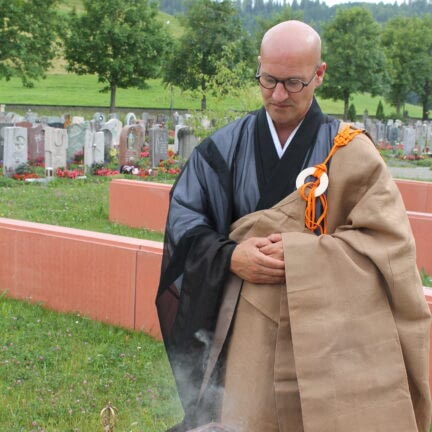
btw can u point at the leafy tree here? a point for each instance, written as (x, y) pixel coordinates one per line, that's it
(380, 111)
(212, 44)
(420, 67)
(121, 41)
(352, 114)
(354, 56)
(27, 38)
(399, 37)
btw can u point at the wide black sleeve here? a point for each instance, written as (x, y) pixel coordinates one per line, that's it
(195, 266)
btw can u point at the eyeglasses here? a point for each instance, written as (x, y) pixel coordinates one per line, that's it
(292, 85)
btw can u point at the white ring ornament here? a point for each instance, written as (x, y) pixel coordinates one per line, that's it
(309, 172)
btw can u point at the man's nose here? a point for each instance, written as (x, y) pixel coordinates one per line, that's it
(279, 92)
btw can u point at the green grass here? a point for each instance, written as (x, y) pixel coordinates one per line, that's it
(72, 203)
(72, 90)
(57, 372)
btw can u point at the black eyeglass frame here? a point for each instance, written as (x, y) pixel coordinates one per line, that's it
(283, 81)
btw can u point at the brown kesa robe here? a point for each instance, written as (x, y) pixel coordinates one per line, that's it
(355, 311)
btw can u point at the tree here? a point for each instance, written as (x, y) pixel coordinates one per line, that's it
(354, 56)
(399, 36)
(212, 44)
(121, 41)
(27, 38)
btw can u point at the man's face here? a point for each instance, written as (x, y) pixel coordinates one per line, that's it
(288, 109)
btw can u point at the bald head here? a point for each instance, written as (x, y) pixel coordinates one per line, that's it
(292, 38)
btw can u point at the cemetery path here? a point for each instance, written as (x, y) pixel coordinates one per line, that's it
(412, 173)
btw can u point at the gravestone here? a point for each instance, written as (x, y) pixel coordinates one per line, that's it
(408, 139)
(31, 116)
(113, 127)
(78, 135)
(56, 144)
(99, 120)
(130, 119)
(380, 131)
(187, 142)
(2, 128)
(15, 149)
(175, 146)
(131, 143)
(36, 143)
(94, 150)
(421, 136)
(158, 144)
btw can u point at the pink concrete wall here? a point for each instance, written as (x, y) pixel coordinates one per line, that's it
(417, 195)
(421, 225)
(105, 277)
(139, 204)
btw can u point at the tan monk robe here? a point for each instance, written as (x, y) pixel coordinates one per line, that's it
(343, 346)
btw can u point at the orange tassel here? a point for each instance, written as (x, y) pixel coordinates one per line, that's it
(307, 190)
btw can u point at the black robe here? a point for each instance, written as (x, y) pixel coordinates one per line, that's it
(234, 172)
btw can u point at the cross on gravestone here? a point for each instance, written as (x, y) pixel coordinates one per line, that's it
(56, 144)
(36, 143)
(131, 143)
(15, 149)
(158, 143)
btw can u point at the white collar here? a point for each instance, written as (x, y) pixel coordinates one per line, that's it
(279, 149)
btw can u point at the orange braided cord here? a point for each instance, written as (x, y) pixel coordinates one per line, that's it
(308, 189)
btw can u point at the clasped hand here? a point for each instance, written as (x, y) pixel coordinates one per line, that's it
(260, 260)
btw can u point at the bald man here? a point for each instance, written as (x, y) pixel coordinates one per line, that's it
(286, 307)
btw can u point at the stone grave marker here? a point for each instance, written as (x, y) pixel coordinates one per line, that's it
(187, 142)
(178, 128)
(158, 143)
(131, 143)
(78, 135)
(2, 128)
(130, 119)
(408, 139)
(56, 144)
(94, 150)
(15, 149)
(36, 143)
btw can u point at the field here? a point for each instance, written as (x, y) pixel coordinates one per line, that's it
(74, 90)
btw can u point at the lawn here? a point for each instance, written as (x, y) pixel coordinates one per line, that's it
(74, 90)
(58, 371)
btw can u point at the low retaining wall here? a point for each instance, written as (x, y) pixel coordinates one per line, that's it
(145, 205)
(105, 277)
(417, 195)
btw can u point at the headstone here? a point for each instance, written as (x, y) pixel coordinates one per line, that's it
(56, 144)
(175, 146)
(78, 135)
(31, 116)
(15, 149)
(131, 143)
(77, 120)
(187, 142)
(113, 127)
(94, 150)
(130, 119)
(99, 119)
(158, 141)
(2, 128)
(408, 140)
(36, 143)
